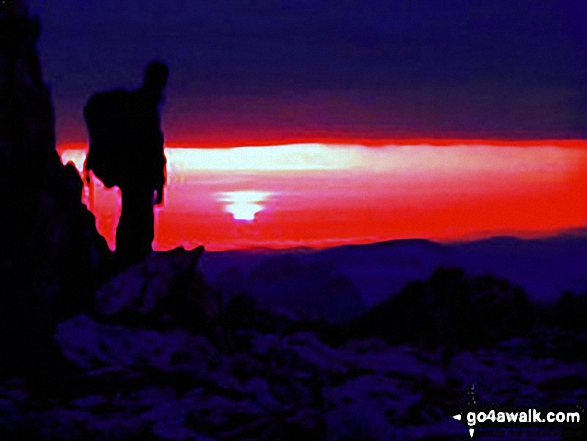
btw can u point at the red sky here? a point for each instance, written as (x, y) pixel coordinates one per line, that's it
(329, 194)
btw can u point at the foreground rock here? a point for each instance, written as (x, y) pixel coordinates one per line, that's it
(166, 289)
(170, 384)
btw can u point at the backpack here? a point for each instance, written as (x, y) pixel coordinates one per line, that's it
(107, 119)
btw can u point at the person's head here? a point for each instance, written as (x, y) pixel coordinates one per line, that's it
(156, 74)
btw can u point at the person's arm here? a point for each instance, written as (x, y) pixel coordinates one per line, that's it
(160, 171)
(159, 192)
(87, 168)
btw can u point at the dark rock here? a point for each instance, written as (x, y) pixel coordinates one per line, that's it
(166, 288)
(570, 312)
(450, 308)
(91, 345)
(52, 257)
(243, 313)
(573, 348)
(569, 382)
(316, 291)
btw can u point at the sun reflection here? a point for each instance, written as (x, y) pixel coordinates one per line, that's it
(244, 204)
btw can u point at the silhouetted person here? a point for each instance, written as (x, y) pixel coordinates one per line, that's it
(131, 156)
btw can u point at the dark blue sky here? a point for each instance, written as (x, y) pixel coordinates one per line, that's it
(311, 68)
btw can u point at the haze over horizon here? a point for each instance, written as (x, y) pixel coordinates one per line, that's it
(322, 195)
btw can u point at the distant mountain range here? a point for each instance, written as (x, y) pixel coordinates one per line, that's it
(543, 267)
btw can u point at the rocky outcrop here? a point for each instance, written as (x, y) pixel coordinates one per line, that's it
(169, 384)
(167, 289)
(51, 257)
(451, 309)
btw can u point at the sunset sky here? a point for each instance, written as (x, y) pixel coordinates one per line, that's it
(280, 71)
(380, 119)
(323, 195)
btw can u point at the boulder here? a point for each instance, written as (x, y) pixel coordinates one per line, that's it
(451, 309)
(166, 288)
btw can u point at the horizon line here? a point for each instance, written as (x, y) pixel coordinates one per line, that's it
(366, 142)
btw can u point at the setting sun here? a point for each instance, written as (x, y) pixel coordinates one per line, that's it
(243, 205)
(328, 194)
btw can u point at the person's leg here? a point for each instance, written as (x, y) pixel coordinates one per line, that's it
(145, 222)
(136, 228)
